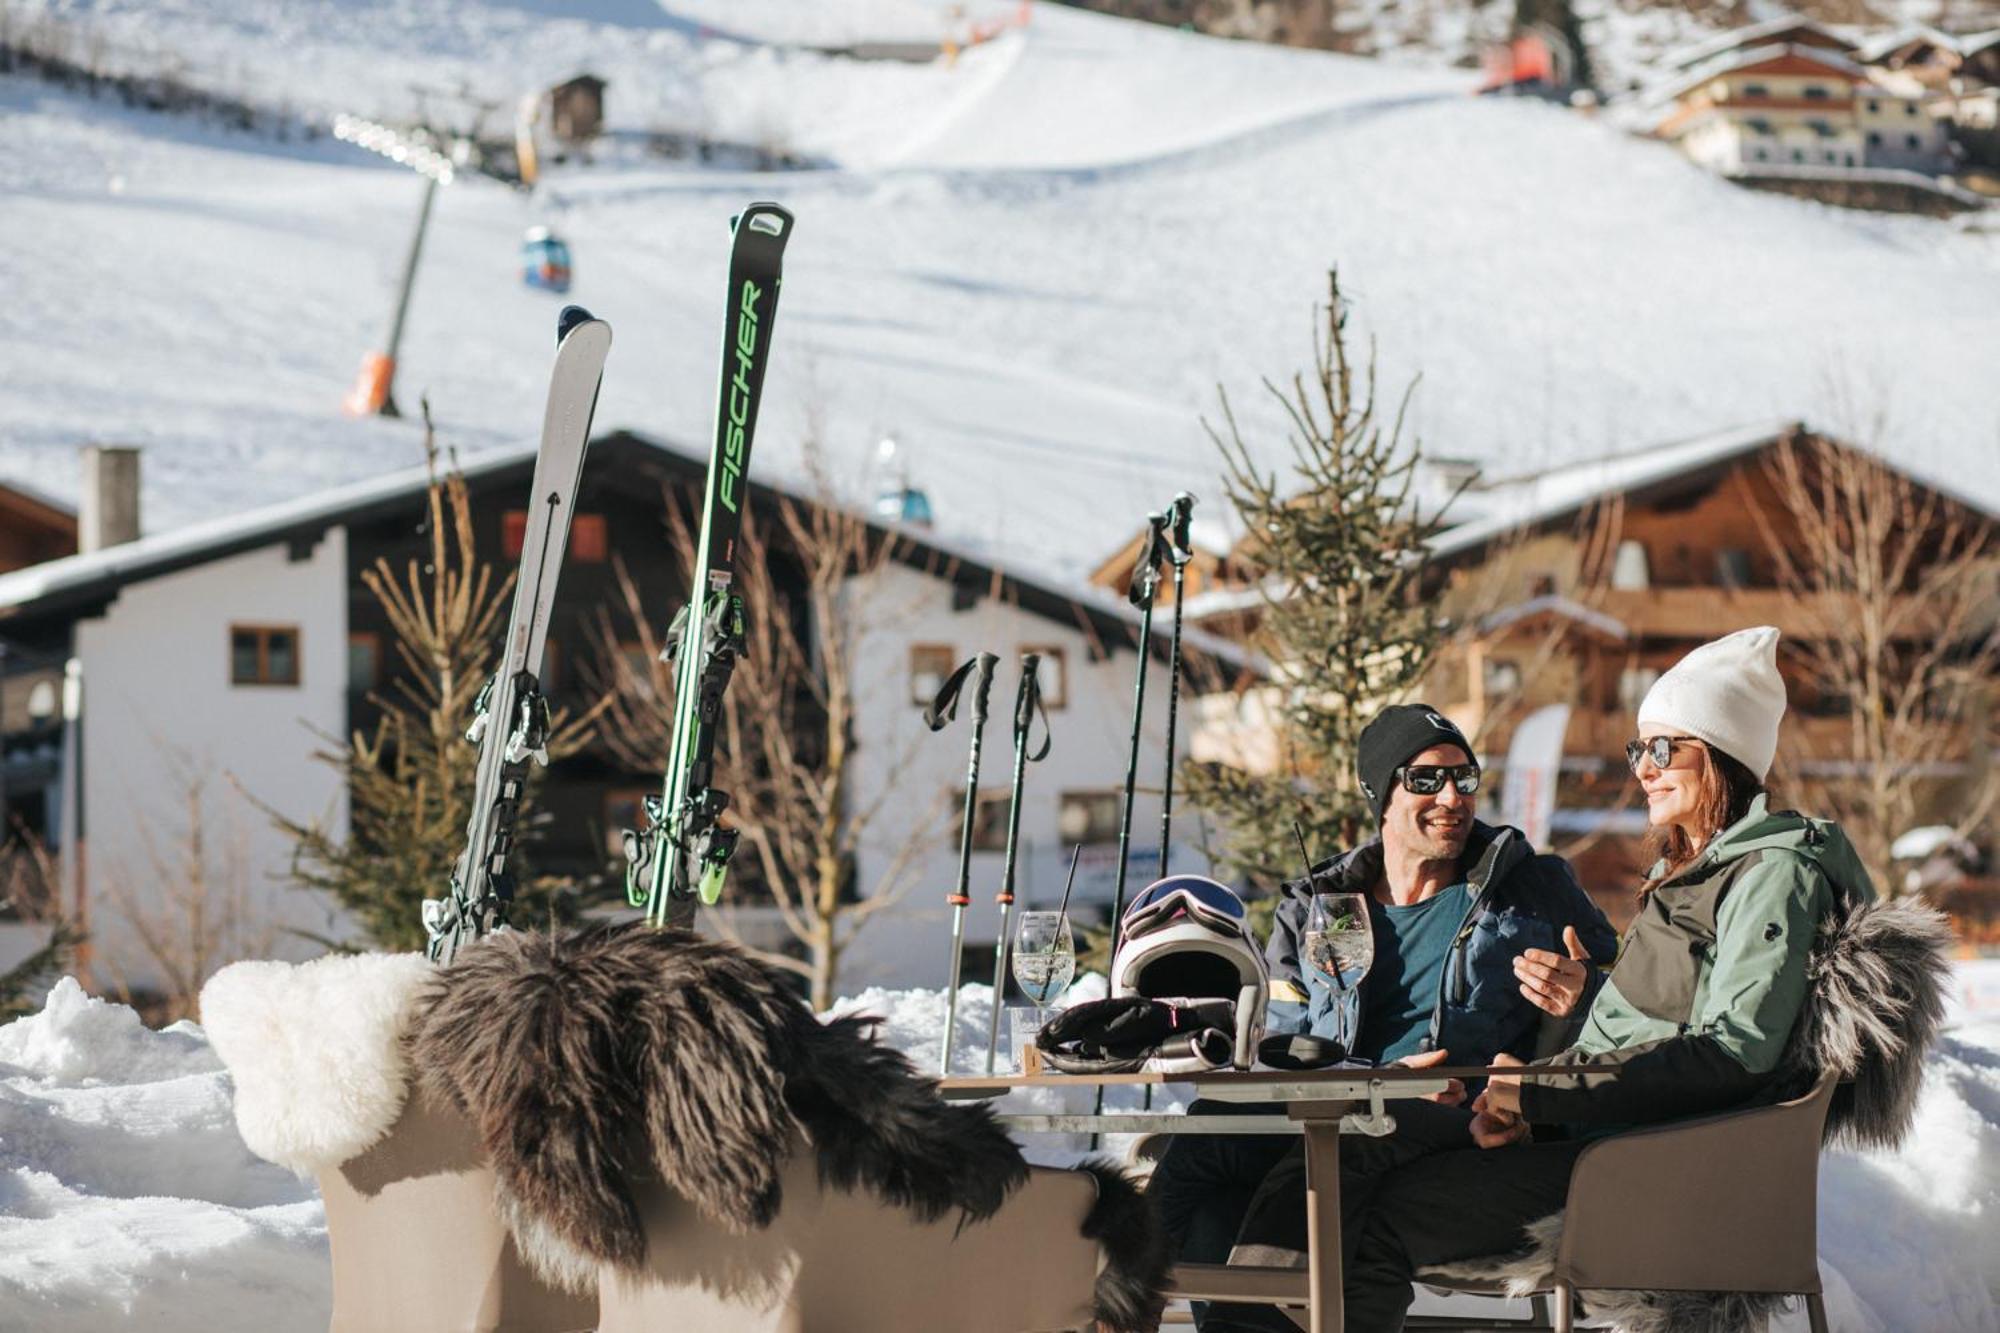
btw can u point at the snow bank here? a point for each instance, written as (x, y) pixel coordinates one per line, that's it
(126, 1195)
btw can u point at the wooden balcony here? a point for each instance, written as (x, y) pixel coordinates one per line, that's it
(1707, 613)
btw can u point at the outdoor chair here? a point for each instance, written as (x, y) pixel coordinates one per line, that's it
(323, 1087)
(418, 1246)
(1726, 1203)
(834, 1261)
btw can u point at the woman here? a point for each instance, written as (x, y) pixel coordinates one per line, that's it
(1699, 1008)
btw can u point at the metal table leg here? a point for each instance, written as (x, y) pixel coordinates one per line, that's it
(1323, 1222)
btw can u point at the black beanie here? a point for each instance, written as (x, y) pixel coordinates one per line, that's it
(1388, 742)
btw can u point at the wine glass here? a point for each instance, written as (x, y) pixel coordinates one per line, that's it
(1340, 946)
(1044, 958)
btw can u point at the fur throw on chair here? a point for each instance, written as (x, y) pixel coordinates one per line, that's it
(1878, 978)
(315, 1051)
(580, 1059)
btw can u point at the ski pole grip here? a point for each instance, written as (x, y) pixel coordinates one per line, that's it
(944, 707)
(1180, 520)
(982, 688)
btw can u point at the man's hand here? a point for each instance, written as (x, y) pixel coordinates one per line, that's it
(1552, 982)
(1454, 1091)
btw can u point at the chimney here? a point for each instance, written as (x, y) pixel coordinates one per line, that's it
(109, 511)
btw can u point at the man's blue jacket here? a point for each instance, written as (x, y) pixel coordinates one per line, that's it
(1521, 899)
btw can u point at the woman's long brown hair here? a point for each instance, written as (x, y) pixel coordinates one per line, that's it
(1723, 797)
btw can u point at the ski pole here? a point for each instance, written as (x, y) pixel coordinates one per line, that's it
(1144, 588)
(1180, 550)
(1145, 583)
(1026, 705)
(941, 711)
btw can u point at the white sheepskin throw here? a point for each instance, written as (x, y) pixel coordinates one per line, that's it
(316, 1051)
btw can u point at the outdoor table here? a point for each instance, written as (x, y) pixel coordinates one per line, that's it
(1321, 1104)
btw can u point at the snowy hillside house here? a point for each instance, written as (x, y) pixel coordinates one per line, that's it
(214, 660)
(1789, 108)
(576, 109)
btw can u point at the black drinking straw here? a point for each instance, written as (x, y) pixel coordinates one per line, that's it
(1312, 888)
(1070, 883)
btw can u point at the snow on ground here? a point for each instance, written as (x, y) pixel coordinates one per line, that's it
(127, 1198)
(126, 1195)
(1032, 266)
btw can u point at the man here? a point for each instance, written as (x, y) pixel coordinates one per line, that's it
(1482, 946)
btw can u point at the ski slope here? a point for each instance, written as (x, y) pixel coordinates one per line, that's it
(1032, 266)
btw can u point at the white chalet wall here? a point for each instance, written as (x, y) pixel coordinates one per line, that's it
(160, 712)
(908, 944)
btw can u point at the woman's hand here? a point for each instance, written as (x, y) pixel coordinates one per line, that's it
(1496, 1129)
(1496, 1111)
(1552, 982)
(1503, 1091)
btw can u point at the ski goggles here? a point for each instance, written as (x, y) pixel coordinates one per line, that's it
(1429, 779)
(1659, 749)
(1199, 900)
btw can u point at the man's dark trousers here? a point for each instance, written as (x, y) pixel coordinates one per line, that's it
(1382, 1191)
(1204, 1183)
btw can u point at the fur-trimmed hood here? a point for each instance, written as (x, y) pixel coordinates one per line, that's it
(580, 1060)
(315, 1051)
(1875, 1002)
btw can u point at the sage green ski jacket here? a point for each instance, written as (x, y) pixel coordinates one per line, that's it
(1711, 978)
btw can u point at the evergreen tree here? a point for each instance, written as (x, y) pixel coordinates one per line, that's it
(28, 879)
(409, 783)
(1337, 549)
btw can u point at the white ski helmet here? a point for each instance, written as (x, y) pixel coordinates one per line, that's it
(1186, 940)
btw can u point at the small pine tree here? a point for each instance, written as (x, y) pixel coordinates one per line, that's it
(1338, 551)
(28, 879)
(409, 784)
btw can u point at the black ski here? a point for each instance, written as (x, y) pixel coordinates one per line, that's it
(684, 852)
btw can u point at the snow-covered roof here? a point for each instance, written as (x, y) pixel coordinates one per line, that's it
(1730, 62)
(1971, 44)
(1531, 498)
(1525, 500)
(81, 578)
(1510, 504)
(1556, 605)
(1876, 47)
(1754, 34)
(198, 542)
(40, 497)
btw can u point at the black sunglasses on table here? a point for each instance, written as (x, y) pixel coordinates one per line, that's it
(1659, 749)
(1429, 779)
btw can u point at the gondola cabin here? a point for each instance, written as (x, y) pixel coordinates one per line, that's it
(544, 260)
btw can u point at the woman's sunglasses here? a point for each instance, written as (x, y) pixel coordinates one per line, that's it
(1659, 749)
(1429, 779)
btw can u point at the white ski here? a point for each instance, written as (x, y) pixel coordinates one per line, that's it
(511, 719)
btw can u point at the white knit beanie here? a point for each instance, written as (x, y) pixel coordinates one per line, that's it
(1728, 693)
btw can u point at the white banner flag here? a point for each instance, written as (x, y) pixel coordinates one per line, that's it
(1534, 761)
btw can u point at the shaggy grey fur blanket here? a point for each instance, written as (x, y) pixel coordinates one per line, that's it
(1878, 979)
(579, 1060)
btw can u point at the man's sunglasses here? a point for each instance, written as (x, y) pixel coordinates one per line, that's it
(1429, 779)
(1659, 749)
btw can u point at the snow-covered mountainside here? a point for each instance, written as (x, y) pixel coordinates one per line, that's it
(1032, 265)
(127, 1197)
